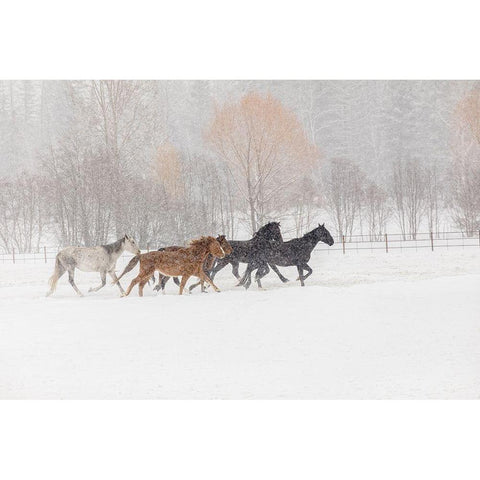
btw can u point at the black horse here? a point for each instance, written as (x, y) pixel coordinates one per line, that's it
(265, 240)
(295, 252)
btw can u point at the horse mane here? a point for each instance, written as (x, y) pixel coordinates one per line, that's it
(311, 233)
(261, 230)
(115, 246)
(201, 242)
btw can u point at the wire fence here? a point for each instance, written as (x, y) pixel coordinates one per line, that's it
(345, 244)
(398, 241)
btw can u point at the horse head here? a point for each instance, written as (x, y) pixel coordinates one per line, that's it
(270, 232)
(227, 248)
(130, 245)
(323, 235)
(215, 248)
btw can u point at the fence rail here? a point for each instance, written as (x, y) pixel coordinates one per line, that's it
(346, 244)
(399, 241)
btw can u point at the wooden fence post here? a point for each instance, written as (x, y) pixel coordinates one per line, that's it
(343, 243)
(45, 253)
(13, 254)
(386, 243)
(431, 240)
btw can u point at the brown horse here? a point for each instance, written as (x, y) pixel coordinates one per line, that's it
(162, 280)
(184, 262)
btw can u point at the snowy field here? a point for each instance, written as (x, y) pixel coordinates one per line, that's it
(367, 325)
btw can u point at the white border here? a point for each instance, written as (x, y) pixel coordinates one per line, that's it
(229, 440)
(246, 39)
(239, 440)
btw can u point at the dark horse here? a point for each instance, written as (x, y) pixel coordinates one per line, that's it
(263, 241)
(295, 252)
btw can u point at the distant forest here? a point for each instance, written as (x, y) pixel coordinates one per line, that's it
(166, 161)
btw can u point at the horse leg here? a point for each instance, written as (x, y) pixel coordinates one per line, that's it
(308, 269)
(72, 282)
(103, 277)
(115, 280)
(277, 271)
(235, 266)
(142, 284)
(221, 263)
(177, 281)
(246, 280)
(261, 272)
(132, 284)
(300, 275)
(191, 287)
(205, 278)
(183, 283)
(162, 281)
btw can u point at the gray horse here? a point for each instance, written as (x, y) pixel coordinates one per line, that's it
(91, 259)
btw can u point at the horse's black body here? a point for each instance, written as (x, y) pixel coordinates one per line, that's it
(254, 250)
(295, 252)
(265, 239)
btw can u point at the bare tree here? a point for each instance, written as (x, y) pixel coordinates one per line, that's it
(21, 213)
(432, 199)
(265, 149)
(344, 187)
(377, 211)
(409, 196)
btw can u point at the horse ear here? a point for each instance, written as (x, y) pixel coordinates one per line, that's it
(323, 225)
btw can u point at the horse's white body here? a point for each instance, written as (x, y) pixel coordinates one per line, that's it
(100, 259)
(90, 259)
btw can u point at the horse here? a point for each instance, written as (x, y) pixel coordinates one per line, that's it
(295, 252)
(184, 262)
(246, 251)
(102, 258)
(209, 261)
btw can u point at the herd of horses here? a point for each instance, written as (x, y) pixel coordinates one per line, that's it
(202, 258)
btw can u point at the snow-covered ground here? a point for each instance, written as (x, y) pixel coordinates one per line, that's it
(367, 325)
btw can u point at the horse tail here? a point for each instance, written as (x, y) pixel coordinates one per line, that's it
(57, 273)
(129, 267)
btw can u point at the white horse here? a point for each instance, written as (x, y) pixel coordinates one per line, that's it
(91, 259)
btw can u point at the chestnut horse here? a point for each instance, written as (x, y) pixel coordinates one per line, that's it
(162, 280)
(184, 262)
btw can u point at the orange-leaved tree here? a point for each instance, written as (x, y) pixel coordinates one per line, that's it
(464, 175)
(168, 170)
(266, 150)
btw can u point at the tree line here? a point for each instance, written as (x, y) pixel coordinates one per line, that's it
(108, 164)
